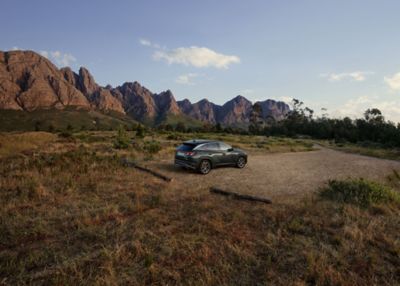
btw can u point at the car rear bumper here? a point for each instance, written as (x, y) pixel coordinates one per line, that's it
(186, 164)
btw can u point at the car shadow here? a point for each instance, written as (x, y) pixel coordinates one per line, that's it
(171, 168)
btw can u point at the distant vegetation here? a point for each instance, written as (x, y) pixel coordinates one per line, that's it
(53, 120)
(371, 131)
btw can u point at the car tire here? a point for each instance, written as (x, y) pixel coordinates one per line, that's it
(241, 162)
(205, 167)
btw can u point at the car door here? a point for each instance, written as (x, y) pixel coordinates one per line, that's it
(213, 151)
(228, 156)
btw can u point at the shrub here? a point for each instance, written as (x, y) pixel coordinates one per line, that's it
(359, 192)
(174, 136)
(140, 131)
(122, 140)
(152, 147)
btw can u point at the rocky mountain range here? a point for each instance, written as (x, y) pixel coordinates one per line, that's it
(29, 81)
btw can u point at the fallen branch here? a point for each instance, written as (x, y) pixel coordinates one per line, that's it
(144, 169)
(239, 196)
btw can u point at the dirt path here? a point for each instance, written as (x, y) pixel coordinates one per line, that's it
(283, 175)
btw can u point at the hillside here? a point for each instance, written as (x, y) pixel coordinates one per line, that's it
(54, 119)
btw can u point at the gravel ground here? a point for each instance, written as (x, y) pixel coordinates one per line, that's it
(282, 176)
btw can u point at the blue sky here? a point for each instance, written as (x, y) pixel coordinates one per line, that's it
(343, 55)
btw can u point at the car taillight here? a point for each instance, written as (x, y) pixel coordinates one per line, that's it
(190, 153)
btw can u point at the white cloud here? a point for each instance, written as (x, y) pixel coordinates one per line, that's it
(355, 76)
(199, 57)
(15, 48)
(186, 79)
(286, 99)
(356, 107)
(61, 59)
(145, 42)
(393, 82)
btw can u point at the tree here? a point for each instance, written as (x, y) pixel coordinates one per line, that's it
(374, 116)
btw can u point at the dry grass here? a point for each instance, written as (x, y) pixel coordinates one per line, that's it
(378, 152)
(14, 143)
(76, 216)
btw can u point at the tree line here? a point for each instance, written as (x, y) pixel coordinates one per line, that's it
(372, 129)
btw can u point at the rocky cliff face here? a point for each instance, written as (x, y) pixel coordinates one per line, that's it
(274, 109)
(99, 97)
(235, 111)
(137, 100)
(29, 81)
(166, 103)
(203, 110)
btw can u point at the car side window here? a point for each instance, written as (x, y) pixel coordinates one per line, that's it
(202, 147)
(223, 146)
(210, 147)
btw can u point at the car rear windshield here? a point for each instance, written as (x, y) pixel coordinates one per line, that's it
(186, 147)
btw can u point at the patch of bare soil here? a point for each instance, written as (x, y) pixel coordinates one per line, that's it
(281, 176)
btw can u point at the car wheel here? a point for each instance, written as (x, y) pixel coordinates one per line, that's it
(241, 162)
(205, 167)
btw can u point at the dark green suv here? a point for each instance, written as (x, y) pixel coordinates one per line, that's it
(203, 155)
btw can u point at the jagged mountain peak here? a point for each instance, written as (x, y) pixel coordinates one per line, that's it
(166, 103)
(239, 99)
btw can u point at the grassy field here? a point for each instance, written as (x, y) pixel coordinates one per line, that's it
(72, 214)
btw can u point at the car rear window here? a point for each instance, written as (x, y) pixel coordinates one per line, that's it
(186, 147)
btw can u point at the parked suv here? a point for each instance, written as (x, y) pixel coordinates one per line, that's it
(203, 155)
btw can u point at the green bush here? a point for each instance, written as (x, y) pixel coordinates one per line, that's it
(152, 147)
(122, 140)
(359, 192)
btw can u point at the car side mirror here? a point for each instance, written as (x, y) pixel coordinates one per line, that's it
(230, 149)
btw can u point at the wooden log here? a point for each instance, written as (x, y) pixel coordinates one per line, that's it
(239, 196)
(144, 169)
